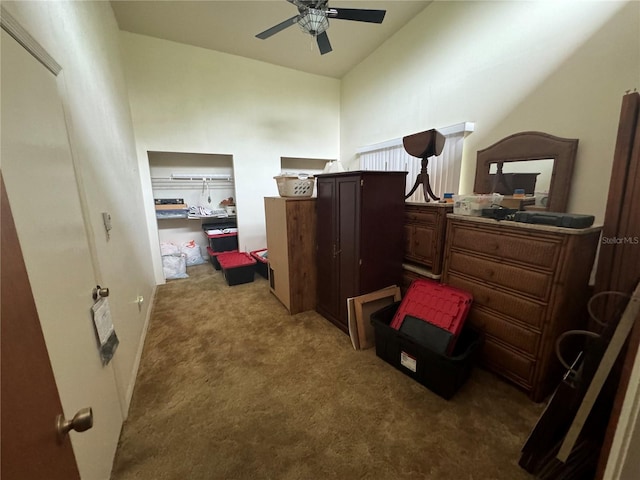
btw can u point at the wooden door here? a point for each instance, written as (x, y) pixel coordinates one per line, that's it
(40, 181)
(30, 401)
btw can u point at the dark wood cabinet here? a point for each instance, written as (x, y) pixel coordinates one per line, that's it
(360, 241)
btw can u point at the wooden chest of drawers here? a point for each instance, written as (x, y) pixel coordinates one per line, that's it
(529, 283)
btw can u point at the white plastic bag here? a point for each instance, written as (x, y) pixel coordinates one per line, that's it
(174, 266)
(191, 250)
(168, 248)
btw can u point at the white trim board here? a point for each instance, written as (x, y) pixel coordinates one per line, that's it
(458, 128)
(10, 25)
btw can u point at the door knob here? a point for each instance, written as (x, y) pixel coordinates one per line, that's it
(81, 421)
(100, 292)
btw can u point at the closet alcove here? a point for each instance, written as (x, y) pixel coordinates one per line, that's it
(200, 180)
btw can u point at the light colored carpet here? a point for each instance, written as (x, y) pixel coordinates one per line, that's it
(232, 387)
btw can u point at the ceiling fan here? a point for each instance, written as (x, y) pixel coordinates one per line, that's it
(313, 18)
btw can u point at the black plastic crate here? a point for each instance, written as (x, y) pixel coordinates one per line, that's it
(237, 267)
(219, 224)
(222, 234)
(442, 374)
(262, 264)
(213, 257)
(443, 306)
(224, 242)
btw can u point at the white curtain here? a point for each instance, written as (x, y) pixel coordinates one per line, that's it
(444, 170)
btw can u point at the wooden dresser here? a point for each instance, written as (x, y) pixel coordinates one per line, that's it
(291, 236)
(529, 283)
(424, 232)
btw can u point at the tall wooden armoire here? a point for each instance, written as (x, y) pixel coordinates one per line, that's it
(360, 241)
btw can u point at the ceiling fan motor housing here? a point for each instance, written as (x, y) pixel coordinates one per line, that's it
(314, 21)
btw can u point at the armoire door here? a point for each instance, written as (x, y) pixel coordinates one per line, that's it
(348, 243)
(327, 277)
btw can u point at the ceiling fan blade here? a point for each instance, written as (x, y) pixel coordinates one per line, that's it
(278, 28)
(323, 43)
(357, 14)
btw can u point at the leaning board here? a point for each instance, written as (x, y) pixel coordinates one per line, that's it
(365, 305)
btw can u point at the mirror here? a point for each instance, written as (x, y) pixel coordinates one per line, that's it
(539, 163)
(531, 176)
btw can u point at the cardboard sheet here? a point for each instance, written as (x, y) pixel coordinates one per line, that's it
(351, 321)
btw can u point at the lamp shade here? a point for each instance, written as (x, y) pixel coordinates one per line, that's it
(314, 22)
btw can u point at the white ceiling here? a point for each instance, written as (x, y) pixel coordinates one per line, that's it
(231, 26)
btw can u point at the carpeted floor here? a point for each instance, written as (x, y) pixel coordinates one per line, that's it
(232, 387)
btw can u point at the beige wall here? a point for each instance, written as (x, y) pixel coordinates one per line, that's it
(84, 39)
(188, 99)
(557, 67)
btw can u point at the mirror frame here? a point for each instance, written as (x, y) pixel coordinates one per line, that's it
(525, 146)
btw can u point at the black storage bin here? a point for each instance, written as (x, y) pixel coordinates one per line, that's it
(262, 264)
(224, 242)
(213, 257)
(219, 224)
(442, 374)
(237, 267)
(222, 234)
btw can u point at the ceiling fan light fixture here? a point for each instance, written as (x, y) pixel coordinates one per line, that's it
(314, 22)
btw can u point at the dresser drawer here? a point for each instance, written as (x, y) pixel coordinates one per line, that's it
(502, 329)
(526, 311)
(417, 215)
(526, 249)
(536, 284)
(511, 364)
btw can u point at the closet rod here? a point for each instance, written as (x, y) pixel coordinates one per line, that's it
(201, 177)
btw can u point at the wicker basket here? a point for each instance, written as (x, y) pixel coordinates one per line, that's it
(295, 185)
